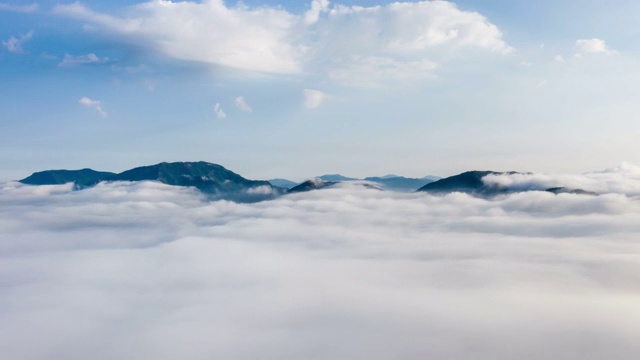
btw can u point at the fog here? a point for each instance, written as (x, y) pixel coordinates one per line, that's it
(150, 271)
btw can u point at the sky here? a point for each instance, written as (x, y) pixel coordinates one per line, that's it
(131, 270)
(297, 89)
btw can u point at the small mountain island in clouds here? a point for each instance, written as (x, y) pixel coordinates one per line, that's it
(219, 182)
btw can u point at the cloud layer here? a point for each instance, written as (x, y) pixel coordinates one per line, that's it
(328, 39)
(149, 270)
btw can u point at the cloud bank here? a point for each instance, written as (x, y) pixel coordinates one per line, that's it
(328, 39)
(149, 270)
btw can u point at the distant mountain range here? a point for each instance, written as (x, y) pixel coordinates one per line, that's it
(209, 178)
(219, 182)
(387, 182)
(282, 183)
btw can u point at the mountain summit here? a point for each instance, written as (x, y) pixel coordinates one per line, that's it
(81, 178)
(468, 182)
(207, 177)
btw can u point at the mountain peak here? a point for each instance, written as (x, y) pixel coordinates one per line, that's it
(467, 182)
(312, 184)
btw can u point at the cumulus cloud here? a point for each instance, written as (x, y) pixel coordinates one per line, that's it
(70, 60)
(313, 98)
(210, 32)
(14, 44)
(149, 270)
(592, 46)
(242, 104)
(95, 104)
(220, 114)
(325, 39)
(19, 8)
(317, 7)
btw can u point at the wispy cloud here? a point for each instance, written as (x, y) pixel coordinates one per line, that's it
(91, 58)
(242, 105)
(313, 98)
(14, 45)
(220, 114)
(95, 104)
(19, 8)
(592, 46)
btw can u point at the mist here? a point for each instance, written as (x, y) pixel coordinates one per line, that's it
(146, 270)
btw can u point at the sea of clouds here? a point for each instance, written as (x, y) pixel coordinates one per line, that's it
(150, 271)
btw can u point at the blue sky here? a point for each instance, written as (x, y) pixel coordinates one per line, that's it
(297, 89)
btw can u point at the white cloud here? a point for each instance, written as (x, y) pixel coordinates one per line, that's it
(272, 40)
(85, 101)
(19, 8)
(317, 7)
(559, 58)
(14, 45)
(91, 58)
(242, 105)
(374, 70)
(220, 114)
(145, 270)
(209, 32)
(592, 46)
(313, 98)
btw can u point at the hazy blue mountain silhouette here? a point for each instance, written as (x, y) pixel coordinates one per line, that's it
(336, 177)
(399, 183)
(388, 182)
(282, 183)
